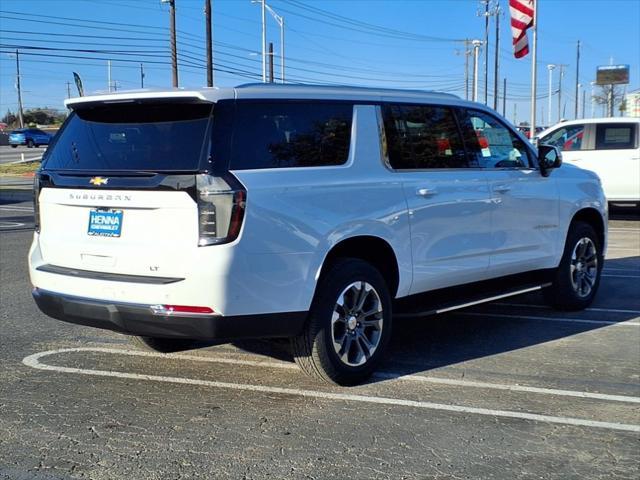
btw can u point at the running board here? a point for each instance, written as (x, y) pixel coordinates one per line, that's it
(442, 301)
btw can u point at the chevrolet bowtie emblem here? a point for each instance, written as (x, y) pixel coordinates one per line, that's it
(97, 181)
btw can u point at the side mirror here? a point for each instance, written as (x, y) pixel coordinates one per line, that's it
(548, 158)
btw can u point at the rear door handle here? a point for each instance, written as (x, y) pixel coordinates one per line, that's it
(502, 188)
(426, 192)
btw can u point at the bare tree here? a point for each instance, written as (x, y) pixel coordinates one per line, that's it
(610, 95)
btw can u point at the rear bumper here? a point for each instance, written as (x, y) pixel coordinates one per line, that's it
(138, 319)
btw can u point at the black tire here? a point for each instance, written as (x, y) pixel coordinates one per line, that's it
(566, 292)
(30, 143)
(161, 345)
(14, 146)
(314, 350)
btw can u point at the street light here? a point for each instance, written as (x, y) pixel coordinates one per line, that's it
(550, 67)
(280, 22)
(476, 48)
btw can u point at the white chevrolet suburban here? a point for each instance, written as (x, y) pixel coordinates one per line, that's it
(311, 213)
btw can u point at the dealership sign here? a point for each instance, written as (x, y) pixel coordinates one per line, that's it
(612, 75)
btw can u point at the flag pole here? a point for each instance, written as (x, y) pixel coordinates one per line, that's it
(534, 70)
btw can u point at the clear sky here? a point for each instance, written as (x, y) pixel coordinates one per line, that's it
(390, 43)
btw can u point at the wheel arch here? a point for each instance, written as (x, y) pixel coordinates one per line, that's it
(594, 218)
(374, 250)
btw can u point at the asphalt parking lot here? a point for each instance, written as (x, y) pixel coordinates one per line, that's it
(507, 390)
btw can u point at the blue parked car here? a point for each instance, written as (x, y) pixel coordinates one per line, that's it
(31, 137)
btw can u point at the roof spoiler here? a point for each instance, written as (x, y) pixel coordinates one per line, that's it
(134, 97)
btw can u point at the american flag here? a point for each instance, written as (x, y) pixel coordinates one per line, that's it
(521, 20)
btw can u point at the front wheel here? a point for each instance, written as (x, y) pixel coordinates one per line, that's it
(577, 278)
(349, 324)
(30, 143)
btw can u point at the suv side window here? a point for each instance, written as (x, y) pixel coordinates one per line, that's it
(568, 138)
(422, 136)
(490, 144)
(290, 134)
(615, 136)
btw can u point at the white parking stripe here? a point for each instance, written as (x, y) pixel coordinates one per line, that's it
(33, 361)
(380, 375)
(17, 209)
(620, 229)
(590, 309)
(11, 224)
(616, 275)
(626, 323)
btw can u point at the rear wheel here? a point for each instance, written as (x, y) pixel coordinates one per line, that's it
(577, 279)
(14, 146)
(161, 345)
(348, 327)
(30, 143)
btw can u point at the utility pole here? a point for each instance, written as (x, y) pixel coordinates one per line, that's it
(593, 99)
(207, 17)
(584, 99)
(515, 114)
(141, 76)
(174, 48)
(68, 89)
(560, 92)
(497, 56)
(20, 112)
(264, 42)
(109, 83)
(504, 97)
(270, 62)
(467, 54)
(577, 79)
(476, 49)
(550, 67)
(486, 50)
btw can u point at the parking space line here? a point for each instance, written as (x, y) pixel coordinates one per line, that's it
(620, 229)
(11, 224)
(17, 209)
(388, 375)
(624, 323)
(590, 309)
(33, 361)
(616, 275)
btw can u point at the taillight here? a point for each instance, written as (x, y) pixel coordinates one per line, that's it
(168, 310)
(36, 202)
(221, 205)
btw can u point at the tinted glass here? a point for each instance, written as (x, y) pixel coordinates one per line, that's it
(615, 136)
(290, 134)
(566, 138)
(421, 136)
(491, 144)
(146, 137)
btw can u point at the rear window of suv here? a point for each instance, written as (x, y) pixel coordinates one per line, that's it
(137, 136)
(615, 136)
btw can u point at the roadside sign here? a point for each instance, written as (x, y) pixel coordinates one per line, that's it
(612, 75)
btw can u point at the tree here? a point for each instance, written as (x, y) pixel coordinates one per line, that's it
(609, 95)
(9, 118)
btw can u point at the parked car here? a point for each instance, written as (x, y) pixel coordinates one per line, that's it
(526, 131)
(305, 212)
(31, 137)
(608, 146)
